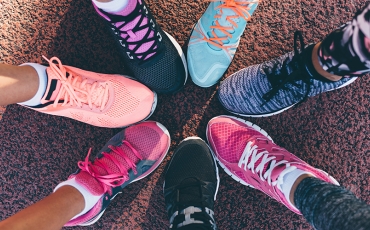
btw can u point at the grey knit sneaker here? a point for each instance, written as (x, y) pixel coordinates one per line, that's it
(274, 86)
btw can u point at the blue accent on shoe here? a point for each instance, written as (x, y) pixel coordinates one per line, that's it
(207, 62)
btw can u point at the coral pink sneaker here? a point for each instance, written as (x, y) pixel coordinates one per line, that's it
(248, 154)
(129, 156)
(104, 100)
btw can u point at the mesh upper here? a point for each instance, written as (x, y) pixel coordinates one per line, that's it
(124, 101)
(148, 142)
(243, 91)
(190, 161)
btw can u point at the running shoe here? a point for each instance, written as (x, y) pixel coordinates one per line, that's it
(129, 156)
(154, 56)
(248, 154)
(104, 100)
(191, 184)
(274, 86)
(215, 38)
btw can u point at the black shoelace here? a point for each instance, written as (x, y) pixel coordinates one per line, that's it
(290, 72)
(141, 11)
(187, 195)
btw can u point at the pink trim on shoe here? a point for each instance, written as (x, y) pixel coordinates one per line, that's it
(248, 154)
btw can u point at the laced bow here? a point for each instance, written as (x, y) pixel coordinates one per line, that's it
(240, 9)
(251, 156)
(76, 91)
(289, 72)
(111, 179)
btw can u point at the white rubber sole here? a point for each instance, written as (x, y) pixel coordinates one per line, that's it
(286, 108)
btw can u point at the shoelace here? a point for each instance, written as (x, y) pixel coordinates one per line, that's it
(75, 91)
(119, 24)
(241, 11)
(251, 156)
(111, 179)
(199, 212)
(290, 72)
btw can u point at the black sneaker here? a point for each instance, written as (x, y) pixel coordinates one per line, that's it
(154, 57)
(191, 185)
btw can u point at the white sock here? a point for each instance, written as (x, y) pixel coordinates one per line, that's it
(90, 200)
(43, 81)
(288, 181)
(112, 6)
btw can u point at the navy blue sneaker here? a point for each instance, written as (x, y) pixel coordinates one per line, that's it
(191, 185)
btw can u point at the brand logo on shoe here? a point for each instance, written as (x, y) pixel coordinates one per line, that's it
(160, 36)
(151, 21)
(146, 10)
(129, 55)
(122, 44)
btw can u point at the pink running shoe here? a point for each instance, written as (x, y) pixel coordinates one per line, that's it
(129, 156)
(104, 100)
(248, 154)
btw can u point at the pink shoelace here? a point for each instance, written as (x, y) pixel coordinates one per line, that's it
(76, 91)
(111, 179)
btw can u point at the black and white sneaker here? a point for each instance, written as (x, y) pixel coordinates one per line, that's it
(154, 56)
(190, 187)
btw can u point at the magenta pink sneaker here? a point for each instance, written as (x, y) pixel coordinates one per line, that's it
(129, 156)
(248, 154)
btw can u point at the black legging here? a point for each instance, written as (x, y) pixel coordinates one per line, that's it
(327, 206)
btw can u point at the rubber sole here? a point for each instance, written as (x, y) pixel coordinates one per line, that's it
(286, 108)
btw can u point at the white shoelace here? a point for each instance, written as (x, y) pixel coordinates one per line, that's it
(251, 155)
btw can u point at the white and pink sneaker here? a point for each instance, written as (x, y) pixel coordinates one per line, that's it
(129, 156)
(248, 154)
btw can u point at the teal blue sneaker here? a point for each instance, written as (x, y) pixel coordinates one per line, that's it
(215, 38)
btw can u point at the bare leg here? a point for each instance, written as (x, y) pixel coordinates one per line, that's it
(48, 214)
(17, 83)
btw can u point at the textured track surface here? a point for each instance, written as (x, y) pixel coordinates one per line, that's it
(330, 131)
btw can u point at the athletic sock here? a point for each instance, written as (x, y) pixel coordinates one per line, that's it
(90, 199)
(288, 180)
(43, 80)
(112, 6)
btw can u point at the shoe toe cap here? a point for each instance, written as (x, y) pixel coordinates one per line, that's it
(205, 66)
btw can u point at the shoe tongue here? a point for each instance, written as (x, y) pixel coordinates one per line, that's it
(189, 193)
(55, 85)
(224, 12)
(108, 163)
(106, 166)
(277, 170)
(137, 35)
